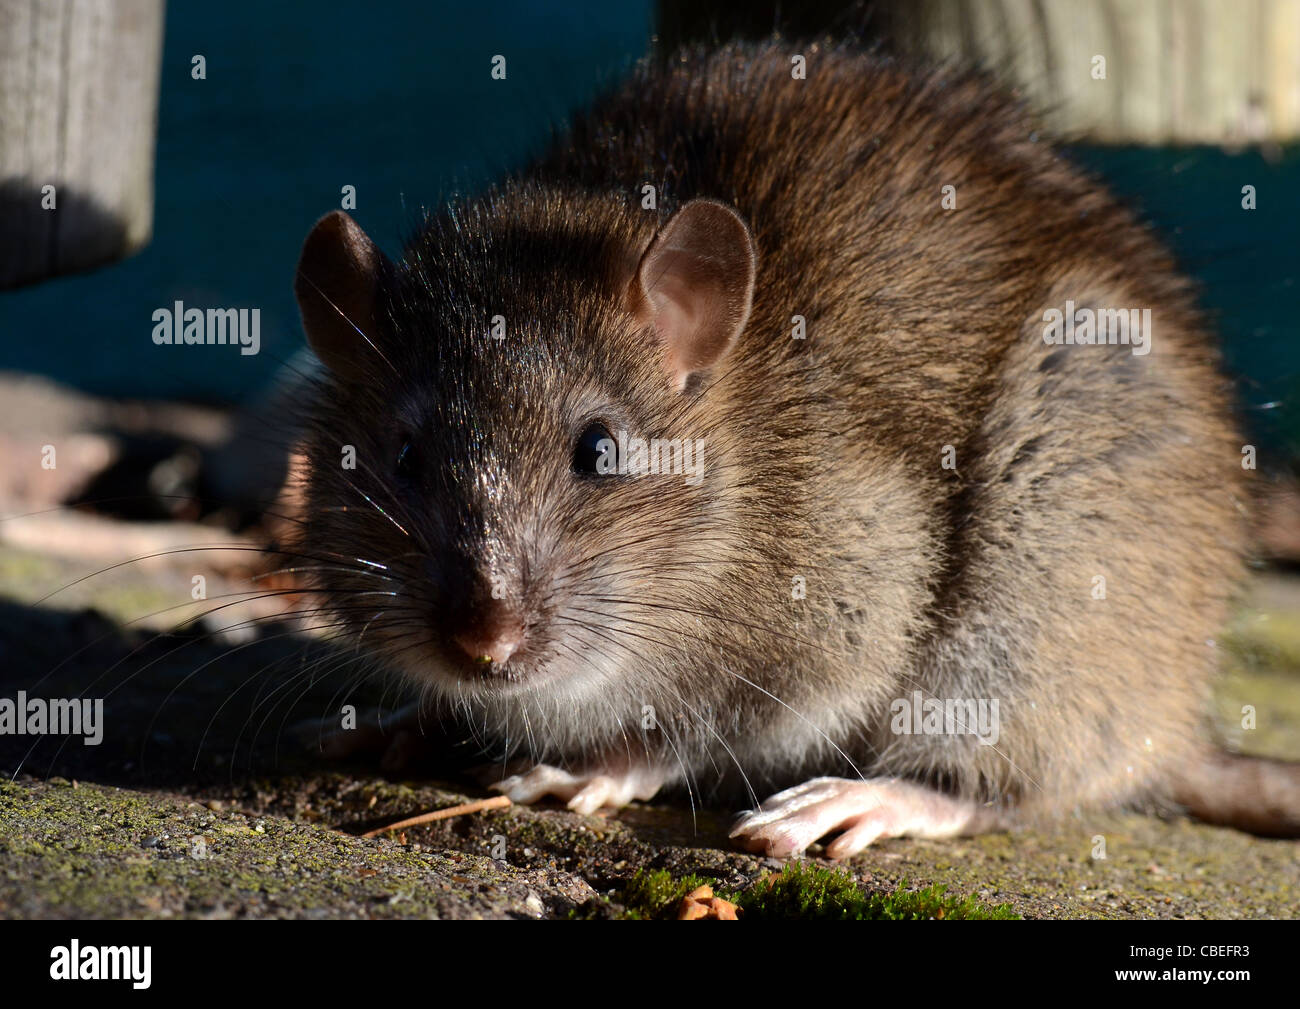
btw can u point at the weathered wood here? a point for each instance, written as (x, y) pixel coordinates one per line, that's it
(78, 111)
(1177, 71)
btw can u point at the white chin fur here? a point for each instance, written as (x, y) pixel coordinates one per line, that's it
(565, 707)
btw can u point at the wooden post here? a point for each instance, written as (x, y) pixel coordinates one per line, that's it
(78, 111)
(1176, 71)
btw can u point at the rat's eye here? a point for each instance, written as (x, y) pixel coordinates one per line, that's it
(407, 464)
(596, 452)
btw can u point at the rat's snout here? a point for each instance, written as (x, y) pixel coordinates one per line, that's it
(492, 633)
(481, 613)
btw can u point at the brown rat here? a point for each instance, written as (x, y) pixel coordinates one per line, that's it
(886, 489)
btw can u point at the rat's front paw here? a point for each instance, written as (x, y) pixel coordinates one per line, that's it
(586, 792)
(789, 821)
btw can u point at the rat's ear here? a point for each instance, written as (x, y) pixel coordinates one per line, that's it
(695, 284)
(337, 286)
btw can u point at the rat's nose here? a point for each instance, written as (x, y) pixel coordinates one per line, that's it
(491, 639)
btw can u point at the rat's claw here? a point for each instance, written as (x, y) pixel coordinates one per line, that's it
(584, 793)
(596, 793)
(541, 781)
(789, 821)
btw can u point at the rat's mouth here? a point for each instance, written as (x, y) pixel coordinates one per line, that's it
(449, 667)
(485, 669)
(468, 659)
(535, 668)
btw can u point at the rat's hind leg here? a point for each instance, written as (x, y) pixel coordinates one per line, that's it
(789, 821)
(598, 788)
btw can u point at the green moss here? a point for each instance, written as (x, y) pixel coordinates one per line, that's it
(653, 893)
(79, 852)
(1264, 640)
(806, 891)
(20, 570)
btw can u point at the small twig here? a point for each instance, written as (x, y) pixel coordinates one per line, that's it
(478, 806)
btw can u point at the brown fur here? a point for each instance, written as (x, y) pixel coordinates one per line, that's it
(823, 455)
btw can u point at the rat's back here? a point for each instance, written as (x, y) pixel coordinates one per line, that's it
(1073, 504)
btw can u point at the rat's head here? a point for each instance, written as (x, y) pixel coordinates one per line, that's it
(478, 511)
